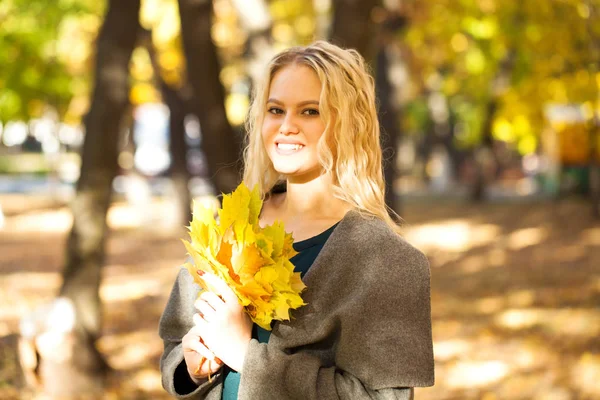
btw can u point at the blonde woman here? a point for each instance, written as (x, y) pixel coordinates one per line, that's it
(313, 149)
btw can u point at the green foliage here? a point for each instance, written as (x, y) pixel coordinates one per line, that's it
(43, 54)
(547, 51)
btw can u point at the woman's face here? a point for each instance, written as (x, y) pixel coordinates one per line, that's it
(292, 123)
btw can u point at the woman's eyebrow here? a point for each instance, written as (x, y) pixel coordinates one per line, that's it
(302, 103)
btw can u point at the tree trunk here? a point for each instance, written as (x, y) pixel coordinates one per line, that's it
(221, 147)
(484, 153)
(390, 131)
(594, 166)
(594, 163)
(178, 149)
(178, 101)
(353, 26)
(103, 124)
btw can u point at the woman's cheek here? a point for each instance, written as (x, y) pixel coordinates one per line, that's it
(269, 129)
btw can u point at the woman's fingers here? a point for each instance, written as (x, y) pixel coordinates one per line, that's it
(201, 349)
(212, 299)
(206, 310)
(220, 287)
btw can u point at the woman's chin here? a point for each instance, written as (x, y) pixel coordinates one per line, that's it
(286, 172)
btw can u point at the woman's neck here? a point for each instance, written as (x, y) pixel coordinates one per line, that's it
(313, 199)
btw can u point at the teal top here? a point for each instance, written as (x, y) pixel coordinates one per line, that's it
(308, 250)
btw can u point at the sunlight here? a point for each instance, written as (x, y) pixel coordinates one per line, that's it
(490, 305)
(518, 319)
(454, 235)
(468, 374)
(147, 380)
(54, 318)
(34, 281)
(130, 350)
(448, 349)
(17, 292)
(560, 322)
(586, 375)
(54, 221)
(158, 214)
(527, 237)
(123, 289)
(527, 358)
(125, 216)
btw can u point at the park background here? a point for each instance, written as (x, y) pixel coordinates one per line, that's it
(115, 115)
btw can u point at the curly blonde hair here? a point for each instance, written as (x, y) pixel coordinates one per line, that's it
(349, 149)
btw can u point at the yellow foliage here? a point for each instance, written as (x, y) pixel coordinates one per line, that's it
(459, 42)
(253, 261)
(141, 68)
(283, 32)
(304, 25)
(236, 105)
(150, 12)
(168, 26)
(527, 144)
(502, 130)
(171, 59)
(143, 93)
(282, 9)
(475, 61)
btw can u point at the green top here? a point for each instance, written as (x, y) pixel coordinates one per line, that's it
(308, 250)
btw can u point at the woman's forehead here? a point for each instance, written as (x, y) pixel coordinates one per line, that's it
(295, 80)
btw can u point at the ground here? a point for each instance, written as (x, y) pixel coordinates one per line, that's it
(515, 293)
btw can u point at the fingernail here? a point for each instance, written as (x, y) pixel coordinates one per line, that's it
(200, 272)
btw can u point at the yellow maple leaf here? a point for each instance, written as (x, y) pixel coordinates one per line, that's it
(253, 261)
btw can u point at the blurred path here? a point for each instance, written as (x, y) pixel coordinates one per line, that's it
(515, 293)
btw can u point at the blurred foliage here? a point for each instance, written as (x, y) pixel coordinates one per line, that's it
(293, 23)
(45, 50)
(523, 55)
(549, 51)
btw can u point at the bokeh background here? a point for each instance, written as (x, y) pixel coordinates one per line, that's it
(115, 115)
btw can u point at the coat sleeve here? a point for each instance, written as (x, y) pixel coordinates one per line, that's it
(379, 311)
(175, 322)
(270, 373)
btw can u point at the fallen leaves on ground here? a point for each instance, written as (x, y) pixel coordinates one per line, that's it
(515, 295)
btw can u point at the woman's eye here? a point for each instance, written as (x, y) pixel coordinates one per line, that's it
(275, 110)
(310, 111)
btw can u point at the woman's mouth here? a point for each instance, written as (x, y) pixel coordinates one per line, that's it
(288, 148)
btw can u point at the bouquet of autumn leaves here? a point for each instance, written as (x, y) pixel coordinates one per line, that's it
(253, 261)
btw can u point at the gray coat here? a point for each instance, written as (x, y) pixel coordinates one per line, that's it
(364, 334)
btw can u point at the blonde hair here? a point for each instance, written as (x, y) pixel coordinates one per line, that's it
(349, 149)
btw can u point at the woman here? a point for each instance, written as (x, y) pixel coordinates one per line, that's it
(366, 329)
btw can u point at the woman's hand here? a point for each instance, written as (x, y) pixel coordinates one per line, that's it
(223, 324)
(201, 362)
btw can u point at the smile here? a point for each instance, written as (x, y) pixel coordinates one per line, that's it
(289, 146)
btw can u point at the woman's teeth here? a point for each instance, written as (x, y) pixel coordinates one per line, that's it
(286, 146)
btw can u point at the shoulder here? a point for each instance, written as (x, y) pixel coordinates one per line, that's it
(371, 242)
(367, 232)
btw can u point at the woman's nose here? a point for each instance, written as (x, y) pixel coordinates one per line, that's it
(288, 126)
